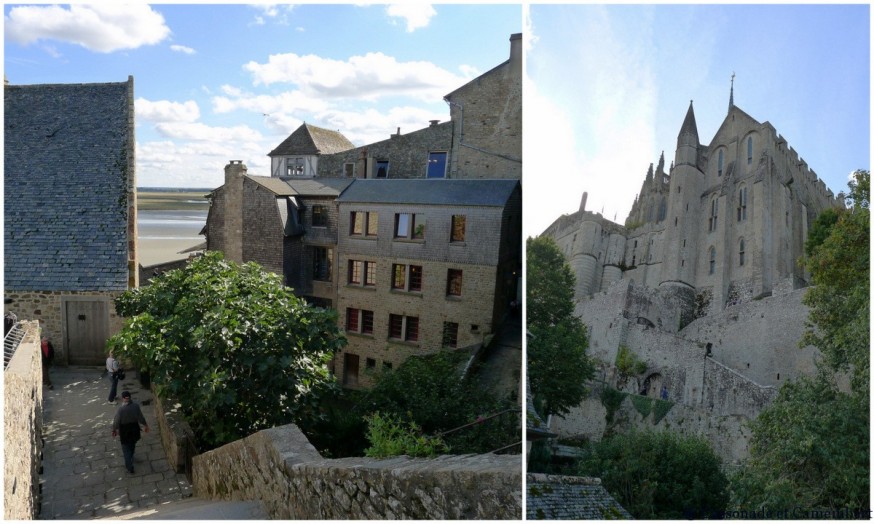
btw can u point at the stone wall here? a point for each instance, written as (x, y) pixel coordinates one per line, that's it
(47, 307)
(174, 430)
(283, 470)
(263, 230)
(22, 428)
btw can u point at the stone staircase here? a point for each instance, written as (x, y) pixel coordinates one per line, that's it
(199, 509)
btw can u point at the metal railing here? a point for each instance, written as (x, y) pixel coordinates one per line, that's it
(505, 449)
(11, 342)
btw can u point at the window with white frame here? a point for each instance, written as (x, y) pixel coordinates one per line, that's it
(362, 273)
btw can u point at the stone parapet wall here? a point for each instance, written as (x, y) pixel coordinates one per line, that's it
(283, 470)
(22, 428)
(174, 430)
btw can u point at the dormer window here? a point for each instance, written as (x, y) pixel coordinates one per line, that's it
(294, 166)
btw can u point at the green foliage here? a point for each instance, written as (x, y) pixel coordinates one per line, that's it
(643, 405)
(611, 399)
(558, 367)
(341, 431)
(839, 300)
(431, 392)
(809, 449)
(659, 475)
(660, 408)
(627, 363)
(232, 343)
(390, 437)
(820, 229)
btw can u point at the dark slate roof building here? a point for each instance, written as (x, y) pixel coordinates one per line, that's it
(558, 497)
(311, 140)
(70, 215)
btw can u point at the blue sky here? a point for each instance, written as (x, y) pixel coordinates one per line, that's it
(219, 82)
(607, 88)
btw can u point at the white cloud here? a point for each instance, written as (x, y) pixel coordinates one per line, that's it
(365, 127)
(103, 28)
(276, 12)
(363, 77)
(415, 15)
(182, 49)
(199, 131)
(166, 111)
(159, 162)
(287, 102)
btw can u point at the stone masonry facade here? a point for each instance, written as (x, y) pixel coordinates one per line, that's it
(280, 468)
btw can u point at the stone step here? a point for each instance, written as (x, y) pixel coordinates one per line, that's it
(199, 509)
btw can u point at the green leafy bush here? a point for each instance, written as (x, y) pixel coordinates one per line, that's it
(233, 344)
(643, 405)
(389, 437)
(627, 363)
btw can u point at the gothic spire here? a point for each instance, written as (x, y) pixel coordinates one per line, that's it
(731, 95)
(661, 169)
(689, 125)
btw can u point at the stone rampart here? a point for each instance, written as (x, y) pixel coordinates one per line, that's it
(22, 428)
(175, 432)
(283, 470)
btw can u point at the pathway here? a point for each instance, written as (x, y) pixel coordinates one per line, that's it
(83, 475)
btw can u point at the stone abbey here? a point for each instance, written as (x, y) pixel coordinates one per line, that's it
(702, 282)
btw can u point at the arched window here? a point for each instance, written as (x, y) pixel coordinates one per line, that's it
(719, 164)
(712, 260)
(663, 209)
(714, 211)
(741, 252)
(749, 150)
(742, 204)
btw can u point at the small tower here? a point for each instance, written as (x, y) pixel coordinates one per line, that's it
(687, 140)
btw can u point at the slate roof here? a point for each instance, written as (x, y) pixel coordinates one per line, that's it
(66, 179)
(559, 497)
(452, 192)
(311, 140)
(330, 187)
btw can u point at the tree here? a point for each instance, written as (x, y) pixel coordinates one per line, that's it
(659, 475)
(558, 367)
(839, 300)
(809, 450)
(234, 345)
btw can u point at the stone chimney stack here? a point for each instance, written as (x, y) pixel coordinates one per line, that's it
(516, 53)
(434, 123)
(583, 201)
(232, 232)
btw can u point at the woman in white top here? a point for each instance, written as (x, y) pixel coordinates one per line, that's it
(113, 368)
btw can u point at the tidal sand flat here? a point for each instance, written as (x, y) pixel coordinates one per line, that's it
(169, 222)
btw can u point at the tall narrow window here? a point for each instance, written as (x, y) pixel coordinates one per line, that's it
(349, 169)
(458, 224)
(436, 165)
(355, 267)
(714, 211)
(409, 225)
(363, 223)
(749, 150)
(415, 278)
(453, 282)
(741, 252)
(742, 204)
(712, 260)
(356, 221)
(719, 164)
(322, 263)
(372, 224)
(320, 216)
(450, 334)
(352, 319)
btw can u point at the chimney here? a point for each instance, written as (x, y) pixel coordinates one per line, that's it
(434, 122)
(232, 232)
(397, 134)
(234, 169)
(583, 201)
(516, 53)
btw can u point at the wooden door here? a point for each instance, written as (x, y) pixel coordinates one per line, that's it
(350, 369)
(87, 331)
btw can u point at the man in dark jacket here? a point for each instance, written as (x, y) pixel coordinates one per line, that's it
(126, 426)
(48, 355)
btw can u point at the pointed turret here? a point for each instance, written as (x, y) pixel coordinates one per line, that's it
(731, 94)
(687, 140)
(661, 169)
(649, 173)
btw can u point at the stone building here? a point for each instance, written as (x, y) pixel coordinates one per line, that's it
(702, 282)
(70, 211)
(424, 265)
(329, 219)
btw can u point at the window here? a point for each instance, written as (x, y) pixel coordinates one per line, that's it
(749, 150)
(371, 363)
(458, 223)
(323, 261)
(714, 211)
(382, 169)
(363, 223)
(406, 277)
(294, 166)
(719, 164)
(359, 321)
(320, 216)
(450, 334)
(712, 260)
(742, 204)
(350, 369)
(741, 252)
(436, 165)
(453, 282)
(386, 365)
(359, 269)
(410, 225)
(404, 328)
(349, 169)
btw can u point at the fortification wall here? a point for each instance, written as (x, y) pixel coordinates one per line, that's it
(282, 469)
(22, 428)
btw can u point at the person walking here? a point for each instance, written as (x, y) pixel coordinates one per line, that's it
(47, 350)
(113, 367)
(126, 426)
